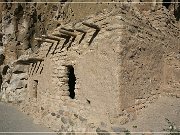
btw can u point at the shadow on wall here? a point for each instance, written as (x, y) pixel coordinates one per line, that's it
(35, 68)
(93, 36)
(66, 34)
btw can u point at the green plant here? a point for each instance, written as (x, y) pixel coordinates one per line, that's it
(127, 132)
(173, 130)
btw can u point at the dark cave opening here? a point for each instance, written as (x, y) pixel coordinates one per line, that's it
(166, 3)
(71, 81)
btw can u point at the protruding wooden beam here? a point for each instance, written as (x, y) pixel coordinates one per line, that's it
(29, 61)
(91, 25)
(70, 30)
(61, 35)
(39, 39)
(51, 37)
(80, 30)
(67, 33)
(42, 40)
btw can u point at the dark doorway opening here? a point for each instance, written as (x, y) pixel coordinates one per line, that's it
(35, 85)
(71, 81)
(166, 3)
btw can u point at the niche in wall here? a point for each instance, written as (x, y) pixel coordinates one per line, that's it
(35, 88)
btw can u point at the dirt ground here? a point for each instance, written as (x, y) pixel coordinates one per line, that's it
(151, 119)
(13, 121)
(154, 117)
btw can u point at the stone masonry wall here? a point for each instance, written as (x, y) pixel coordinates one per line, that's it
(124, 62)
(92, 62)
(22, 22)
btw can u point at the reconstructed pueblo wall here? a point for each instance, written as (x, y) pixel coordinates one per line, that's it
(98, 72)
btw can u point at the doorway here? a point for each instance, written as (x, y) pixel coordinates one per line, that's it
(71, 81)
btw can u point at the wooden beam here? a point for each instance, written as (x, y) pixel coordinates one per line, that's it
(39, 39)
(51, 37)
(80, 30)
(43, 40)
(61, 35)
(70, 30)
(91, 25)
(67, 33)
(29, 61)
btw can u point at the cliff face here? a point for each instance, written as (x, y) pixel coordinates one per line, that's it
(21, 22)
(80, 65)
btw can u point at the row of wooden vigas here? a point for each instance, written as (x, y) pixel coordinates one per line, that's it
(67, 34)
